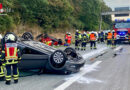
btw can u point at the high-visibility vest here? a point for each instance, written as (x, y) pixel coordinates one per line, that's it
(115, 35)
(66, 36)
(69, 37)
(109, 36)
(92, 37)
(79, 37)
(11, 53)
(84, 39)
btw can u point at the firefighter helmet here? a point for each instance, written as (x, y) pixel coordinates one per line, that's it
(84, 32)
(11, 37)
(77, 30)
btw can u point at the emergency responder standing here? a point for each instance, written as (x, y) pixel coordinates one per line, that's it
(99, 36)
(114, 39)
(109, 38)
(105, 37)
(2, 76)
(66, 37)
(102, 37)
(84, 41)
(11, 56)
(78, 38)
(93, 40)
(69, 39)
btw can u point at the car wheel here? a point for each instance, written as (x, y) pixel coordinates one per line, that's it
(70, 52)
(4, 40)
(57, 60)
(27, 36)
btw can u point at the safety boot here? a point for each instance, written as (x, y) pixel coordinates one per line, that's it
(15, 81)
(2, 78)
(7, 82)
(95, 48)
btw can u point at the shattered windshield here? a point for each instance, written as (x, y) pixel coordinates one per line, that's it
(122, 25)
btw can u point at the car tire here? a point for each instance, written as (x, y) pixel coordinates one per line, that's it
(27, 36)
(3, 41)
(71, 52)
(57, 60)
(69, 49)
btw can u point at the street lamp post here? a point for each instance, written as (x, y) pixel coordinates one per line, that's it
(100, 26)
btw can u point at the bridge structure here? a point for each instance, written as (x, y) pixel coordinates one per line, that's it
(115, 12)
(116, 15)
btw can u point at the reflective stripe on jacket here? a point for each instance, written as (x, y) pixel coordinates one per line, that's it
(11, 53)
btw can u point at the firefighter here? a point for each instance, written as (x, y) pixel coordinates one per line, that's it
(69, 38)
(78, 38)
(11, 56)
(114, 39)
(105, 37)
(66, 37)
(84, 41)
(109, 38)
(99, 36)
(2, 76)
(93, 40)
(102, 37)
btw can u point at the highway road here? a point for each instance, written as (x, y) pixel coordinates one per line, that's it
(105, 69)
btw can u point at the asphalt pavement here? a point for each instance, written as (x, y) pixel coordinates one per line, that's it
(105, 69)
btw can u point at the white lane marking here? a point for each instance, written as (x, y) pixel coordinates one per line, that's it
(85, 56)
(87, 80)
(118, 48)
(75, 78)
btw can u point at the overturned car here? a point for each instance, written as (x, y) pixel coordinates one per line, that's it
(36, 55)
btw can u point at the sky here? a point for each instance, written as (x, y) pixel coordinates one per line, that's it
(117, 3)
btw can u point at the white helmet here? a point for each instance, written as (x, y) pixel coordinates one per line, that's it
(77, 30)
(11, 37)
(1, 36)
(92, 32)
(84, 32)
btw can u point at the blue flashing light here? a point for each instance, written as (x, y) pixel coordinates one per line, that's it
(128, 20)
(121, 33)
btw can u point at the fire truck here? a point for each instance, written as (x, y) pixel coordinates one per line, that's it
(123, 30)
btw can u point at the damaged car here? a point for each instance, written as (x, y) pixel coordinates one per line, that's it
(37, 55)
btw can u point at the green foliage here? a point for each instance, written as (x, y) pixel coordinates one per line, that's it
(6, 23)
(53, 14)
